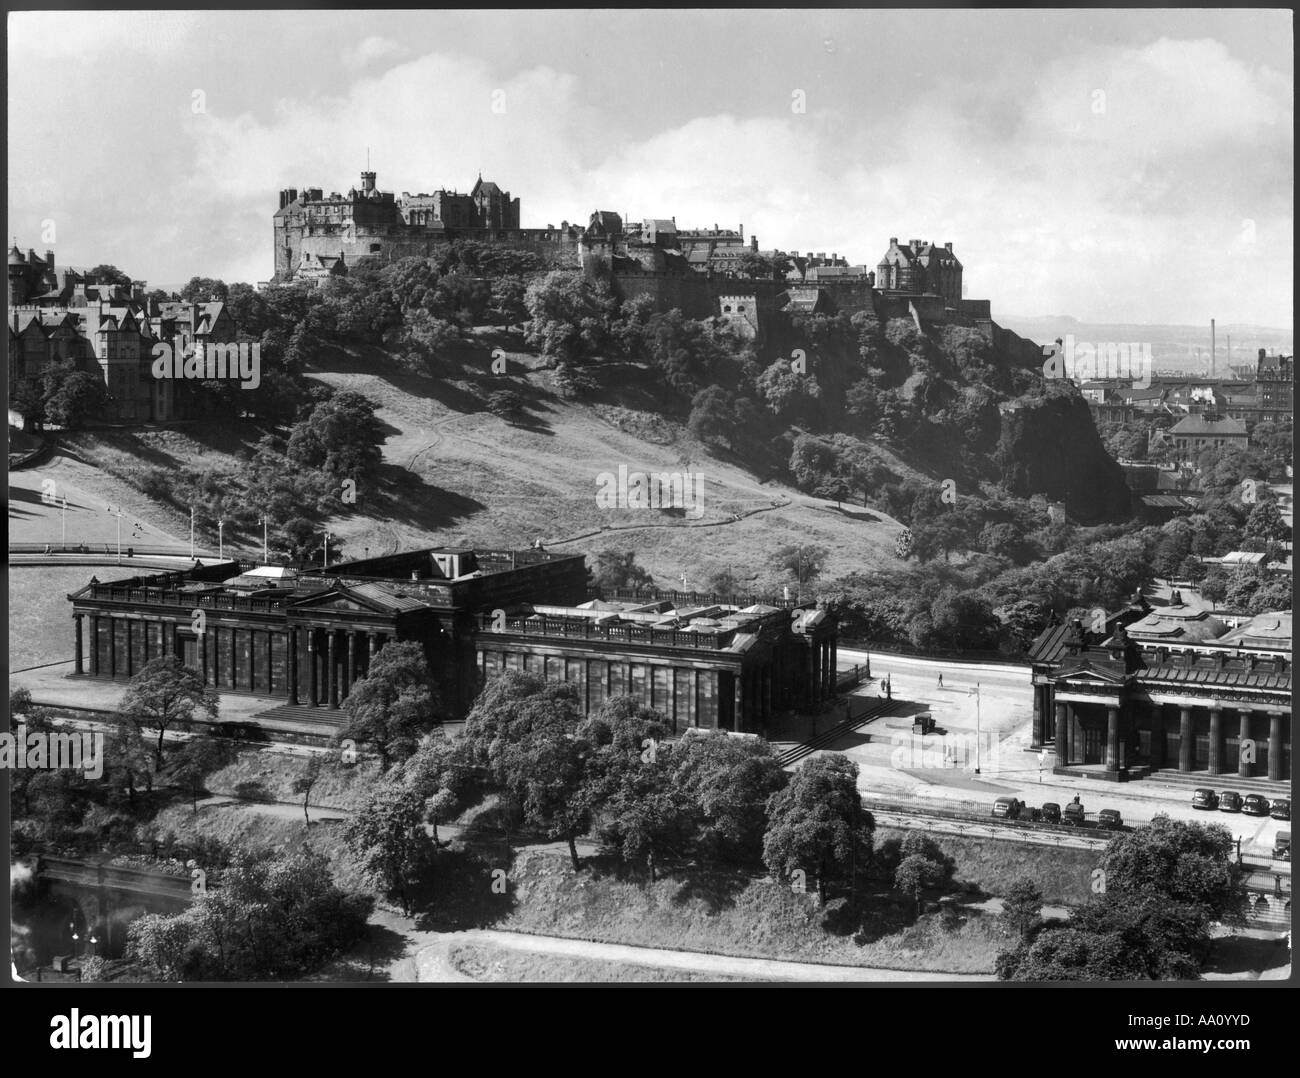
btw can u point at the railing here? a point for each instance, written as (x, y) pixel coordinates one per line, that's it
(690, 598)
(106, 548)
(852, 678)
(582, 629)
(172, 597)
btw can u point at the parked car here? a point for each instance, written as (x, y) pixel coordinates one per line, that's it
(1052, 812)
(1229, 801)
(1072, 814)
(1255, 805)
(923, 723)
(1205, 799)
(1008, 808)
(1110, 819)
(1282, 846)
(1280, 809)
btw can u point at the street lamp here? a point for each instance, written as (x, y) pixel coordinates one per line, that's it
(327, 551)
(977, 728)
(65, 521)
(118, 512)
(191, 533)
(266, 547)
(221, 540)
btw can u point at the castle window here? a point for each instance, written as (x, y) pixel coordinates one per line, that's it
(726, 309)
(374, 247)
(741, 307)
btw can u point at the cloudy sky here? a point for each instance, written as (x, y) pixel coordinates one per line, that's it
(1115, 166)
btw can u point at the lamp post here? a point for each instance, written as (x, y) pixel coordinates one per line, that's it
(266, 546)
(221, 540)
(65, 522)
(977, 728)
(118, 513)
(327, 551)
(191, 533)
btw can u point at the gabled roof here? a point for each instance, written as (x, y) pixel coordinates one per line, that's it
(1203, 424)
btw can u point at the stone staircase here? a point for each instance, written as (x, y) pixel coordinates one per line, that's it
(873, 710)
(1193, 780)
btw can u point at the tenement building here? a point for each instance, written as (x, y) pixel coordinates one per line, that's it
(306, 637)
(1173, 688)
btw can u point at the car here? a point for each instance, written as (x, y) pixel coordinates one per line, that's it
(1282, 846)
(1008, 808)
(923, 723)
(1072, 814)
(1229, 801)
(1204, 799)
(1280, 809)
(1110, 819)
(1052, 812)
(1255, 805)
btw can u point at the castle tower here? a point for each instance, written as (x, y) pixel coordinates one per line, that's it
(367, 183)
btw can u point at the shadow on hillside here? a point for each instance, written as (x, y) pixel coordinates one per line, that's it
(464, 890)
(1240, 954)
(715, 885)
(236, 438)
(370, 959)
(404, 497)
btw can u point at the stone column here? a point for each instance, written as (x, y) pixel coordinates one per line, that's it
(1185, 741)
(695, 697)
(739, 704)
(252, 660)
(76, 623)
(1243, 735)
(1275, 745)
(234, 656)
(1062, 737)
(1036, 741)
(129, 670)
(332, 681)
(112, 647)
(351, 671)
(313, 682)
(1216, 741)
(1112, 739)
(291, 662)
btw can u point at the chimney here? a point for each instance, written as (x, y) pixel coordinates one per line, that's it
(1261, 355)
(948, 245)
(49, 259)
(893, 241)
(753, 244)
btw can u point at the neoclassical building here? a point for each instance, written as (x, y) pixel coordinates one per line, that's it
(1172, 688)
(307, 636)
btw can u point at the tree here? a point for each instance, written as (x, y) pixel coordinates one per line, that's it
(730, 781)
(305, 780)
(1265, 522)
(386, 836)
(444, 773)
(341, 435)
(165, 695)
(273, 918)
(1022, 907)
(619, 571)
(921, 866)
(195, 759)
(817, 823)
(74, 396)
(204, 290)
(394, 703)
(110, 274)
(803, 561)
(505, 404)
(568, 315)
(507, 304)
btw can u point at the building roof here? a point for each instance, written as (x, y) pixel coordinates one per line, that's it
(1220, 426)
(1177, 624)
(1271, 630)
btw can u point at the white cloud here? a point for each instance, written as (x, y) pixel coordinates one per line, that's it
(373, 48)
(83, 34)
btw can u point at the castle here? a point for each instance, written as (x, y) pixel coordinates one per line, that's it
(317, 236)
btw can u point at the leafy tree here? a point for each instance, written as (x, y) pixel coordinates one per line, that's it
(1265, 522)
(273, 918)
(341, 435)
(922, 866)
(165, 695)
(73, 396)
(568, 315)
(730, 781)
(110, 273)
(394, 703)
(507, 304)
(386, 836)
(619, 571)
(505, 404)
(204, 289)
(1022, 907)
(817, 823)
(444, 772)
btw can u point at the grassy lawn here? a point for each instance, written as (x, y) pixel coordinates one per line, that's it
(40, 616)
(492, 963)
(269, 776)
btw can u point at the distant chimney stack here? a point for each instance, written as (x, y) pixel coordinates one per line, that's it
(893, 241)
(948, 245)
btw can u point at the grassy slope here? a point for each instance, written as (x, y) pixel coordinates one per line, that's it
(458, 475)
(491, 963)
